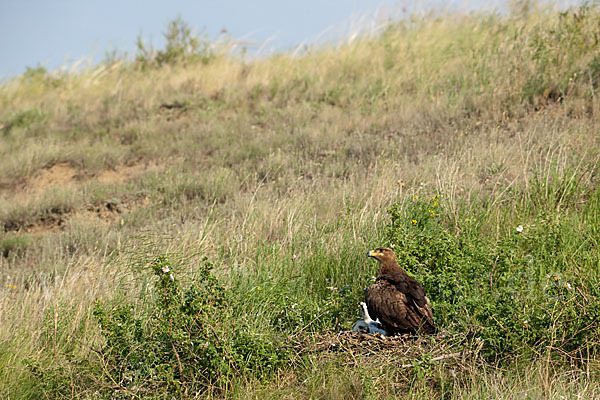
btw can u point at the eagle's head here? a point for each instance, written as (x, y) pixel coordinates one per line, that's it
(383, 255)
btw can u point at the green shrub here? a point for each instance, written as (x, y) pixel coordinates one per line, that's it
(182, 45)
(14, 244)
(183, 340)
(40, 77)
(565, 56)
(22, 119)
(523, 289)
(176, 343)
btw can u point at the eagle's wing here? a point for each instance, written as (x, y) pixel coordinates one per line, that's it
(387, 304)
(409, 286)
(401, 306)
(416, 300)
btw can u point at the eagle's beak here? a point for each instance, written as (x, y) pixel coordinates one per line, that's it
(374, 253)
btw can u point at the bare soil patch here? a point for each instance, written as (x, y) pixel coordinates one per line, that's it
(64, 175)
(106, 213)
(59, 174)
(123, 173)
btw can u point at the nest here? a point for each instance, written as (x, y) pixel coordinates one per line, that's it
(406, 351)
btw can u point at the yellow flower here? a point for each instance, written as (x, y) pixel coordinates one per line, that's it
(258, 288)
(435, 203)
(414, 222)
(415, 197)
(431, 212)
(467, 220)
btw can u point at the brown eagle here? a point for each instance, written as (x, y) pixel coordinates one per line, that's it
(397, 300)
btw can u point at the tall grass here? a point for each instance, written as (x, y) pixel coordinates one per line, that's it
(281, 171)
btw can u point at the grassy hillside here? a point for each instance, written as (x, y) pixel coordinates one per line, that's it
(195, 225)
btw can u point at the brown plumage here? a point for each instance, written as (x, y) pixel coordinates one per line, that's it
(396, 299)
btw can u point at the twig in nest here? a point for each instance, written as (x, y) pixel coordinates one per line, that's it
(438, 358)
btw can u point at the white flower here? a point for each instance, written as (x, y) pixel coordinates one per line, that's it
(332, 288)
(568, 285)
(519, 228)
(165, 269)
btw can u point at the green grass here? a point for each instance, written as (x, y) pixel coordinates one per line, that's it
(282, 172)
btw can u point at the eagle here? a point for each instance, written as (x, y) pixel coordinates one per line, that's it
(396, 300)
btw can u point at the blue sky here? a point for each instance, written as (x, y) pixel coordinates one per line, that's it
(61, 32)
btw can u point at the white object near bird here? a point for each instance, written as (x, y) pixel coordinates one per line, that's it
(367, 325)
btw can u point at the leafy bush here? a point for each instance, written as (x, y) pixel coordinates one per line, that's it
(14, 244)
(564, 57)
(186, 339)
(523, 289)
(182, 45)
(22, 119)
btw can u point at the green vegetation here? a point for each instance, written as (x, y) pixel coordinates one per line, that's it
(194, 224)
(527, 288)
